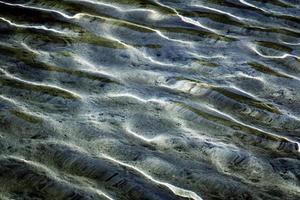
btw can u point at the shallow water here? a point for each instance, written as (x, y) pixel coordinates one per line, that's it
(149, 99)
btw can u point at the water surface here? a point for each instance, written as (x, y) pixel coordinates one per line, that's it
(149, 99)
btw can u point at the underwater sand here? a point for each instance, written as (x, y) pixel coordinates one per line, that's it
(149, 99)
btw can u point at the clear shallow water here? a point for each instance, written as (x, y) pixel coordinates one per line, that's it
(152, 99)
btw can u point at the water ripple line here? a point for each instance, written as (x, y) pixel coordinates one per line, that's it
(176, 190)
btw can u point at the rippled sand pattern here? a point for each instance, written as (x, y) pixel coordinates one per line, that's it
(149, 99)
